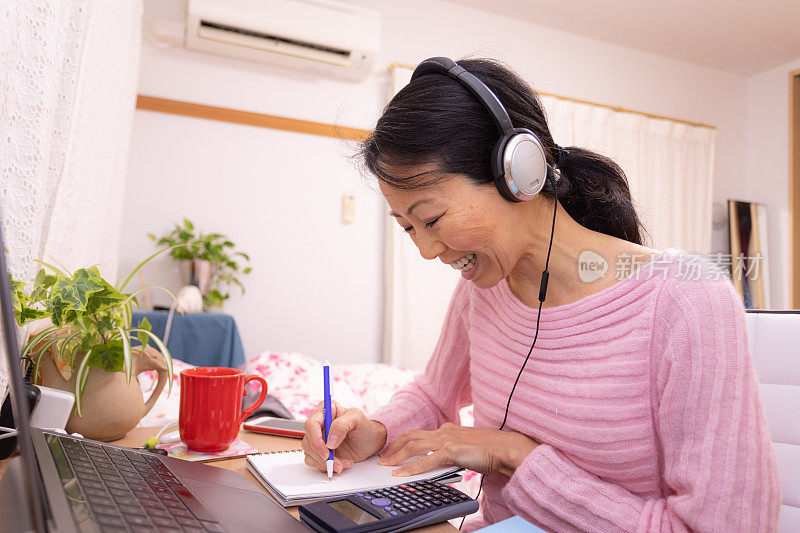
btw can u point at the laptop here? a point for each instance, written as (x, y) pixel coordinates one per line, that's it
(61, 483)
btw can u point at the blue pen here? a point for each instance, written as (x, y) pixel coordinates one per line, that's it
(326, 380)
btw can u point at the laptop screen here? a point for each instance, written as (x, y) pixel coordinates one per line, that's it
(33, 480)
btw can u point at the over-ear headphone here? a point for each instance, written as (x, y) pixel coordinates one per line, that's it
(518, 160)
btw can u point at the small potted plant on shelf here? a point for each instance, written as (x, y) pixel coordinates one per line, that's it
(213, 264)
(87, 348)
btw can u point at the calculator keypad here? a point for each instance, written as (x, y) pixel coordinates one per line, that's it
(412, 497)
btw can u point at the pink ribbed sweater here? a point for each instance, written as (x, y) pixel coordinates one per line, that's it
(642, 396)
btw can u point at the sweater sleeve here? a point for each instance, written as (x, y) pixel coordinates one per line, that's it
(717, 465)
(436, 395)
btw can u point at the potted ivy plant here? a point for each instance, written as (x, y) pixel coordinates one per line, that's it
(211, 260)
(88, 349)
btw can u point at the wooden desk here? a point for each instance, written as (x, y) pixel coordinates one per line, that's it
(264, 443)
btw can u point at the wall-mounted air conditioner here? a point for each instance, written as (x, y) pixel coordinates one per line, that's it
(315, 35)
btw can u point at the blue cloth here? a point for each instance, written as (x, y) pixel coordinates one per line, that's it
(202, 339)
(515, 524)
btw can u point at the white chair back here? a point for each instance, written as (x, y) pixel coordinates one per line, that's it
(775, 343)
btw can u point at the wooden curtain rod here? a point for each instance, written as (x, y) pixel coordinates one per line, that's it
(626, 110)
(225, 114)
(619, 109)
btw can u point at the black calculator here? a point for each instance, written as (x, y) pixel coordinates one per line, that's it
(399, 508)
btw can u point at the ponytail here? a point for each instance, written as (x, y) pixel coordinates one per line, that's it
(594, 191)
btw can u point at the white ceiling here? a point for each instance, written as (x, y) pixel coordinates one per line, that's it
(741, 36)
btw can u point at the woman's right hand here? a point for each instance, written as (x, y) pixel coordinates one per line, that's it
(353, 437)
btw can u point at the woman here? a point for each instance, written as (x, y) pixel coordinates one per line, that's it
(638, 409)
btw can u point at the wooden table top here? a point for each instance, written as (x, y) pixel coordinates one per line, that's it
(265, 443)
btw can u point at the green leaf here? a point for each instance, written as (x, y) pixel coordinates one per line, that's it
(41, 283)
(247, 270)
(66, 291)
(54, 269)
(188, 224)
(64, 348)
(28, 314)
(44, 350)
(19, 302)
(55, 307)
(86, 344)
(127, 359)
(141, 335)
(105, 298)
(109, 356)
(88, 282)
(18, 296)
(36, 339)
(69, 297)
(215, 298)
(80, 380)
(106, 323)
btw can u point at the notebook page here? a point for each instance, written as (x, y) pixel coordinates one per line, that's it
(289, 475)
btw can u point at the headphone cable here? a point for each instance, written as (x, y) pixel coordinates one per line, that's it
(542, 293)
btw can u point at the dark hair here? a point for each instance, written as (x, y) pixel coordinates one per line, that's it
(436, 120)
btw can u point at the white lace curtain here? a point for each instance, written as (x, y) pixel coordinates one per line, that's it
(68, 77)
(669, 166)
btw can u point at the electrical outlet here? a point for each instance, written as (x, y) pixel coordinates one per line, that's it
(348, 207)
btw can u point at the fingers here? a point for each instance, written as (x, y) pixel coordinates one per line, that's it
(343, 464)
(315, 426)
(410, 443)
(412, 448)
(313, 461)
(345, 420)
(313, 442)
(339, 465)
(423, 464)
(344, 423)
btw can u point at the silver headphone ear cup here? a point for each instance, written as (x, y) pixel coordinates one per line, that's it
(497, 169)
(524, 165)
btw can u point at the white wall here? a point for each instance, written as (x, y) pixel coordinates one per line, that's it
(768, 166)
(316, 285)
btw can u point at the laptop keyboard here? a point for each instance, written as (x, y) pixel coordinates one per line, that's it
(130, 491)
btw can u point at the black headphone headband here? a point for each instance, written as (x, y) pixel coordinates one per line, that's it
(518, 161)
(445, 65)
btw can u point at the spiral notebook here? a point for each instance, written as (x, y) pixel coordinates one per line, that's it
(286, 476)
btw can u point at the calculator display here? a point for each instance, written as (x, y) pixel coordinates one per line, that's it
(353, 512)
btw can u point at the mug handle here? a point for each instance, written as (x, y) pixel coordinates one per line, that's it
(151, 359)
(261, 397)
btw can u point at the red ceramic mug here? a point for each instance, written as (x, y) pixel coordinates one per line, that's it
(211, 406)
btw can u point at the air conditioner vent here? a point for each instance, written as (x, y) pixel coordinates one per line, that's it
(319, 36)
(272, 43)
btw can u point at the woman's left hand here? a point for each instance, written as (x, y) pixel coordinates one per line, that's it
(482, 450)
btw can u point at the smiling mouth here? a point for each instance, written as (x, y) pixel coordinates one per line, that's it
(465, 264)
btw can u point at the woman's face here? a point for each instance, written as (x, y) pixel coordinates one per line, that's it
(470, 227)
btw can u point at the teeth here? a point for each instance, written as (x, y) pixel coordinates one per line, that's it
(464, 264)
